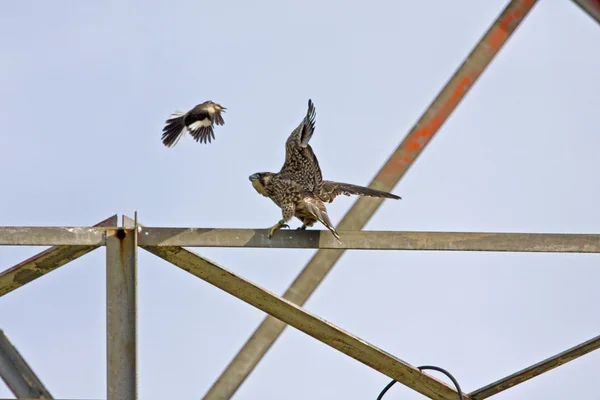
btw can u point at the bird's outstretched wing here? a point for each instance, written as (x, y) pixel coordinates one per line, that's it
(301, 164)
(329, 190)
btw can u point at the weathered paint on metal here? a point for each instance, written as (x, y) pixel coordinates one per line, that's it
(45, 262)
(536, 369)
(364, 208)
(52, 236)
(372, 240)
(121, 314)
(591, 7)
(306, 322)
(17, 374)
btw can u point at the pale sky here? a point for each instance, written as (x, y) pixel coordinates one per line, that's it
(86, 87)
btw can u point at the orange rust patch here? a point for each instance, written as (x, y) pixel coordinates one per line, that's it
(421, 134)
(501, 33)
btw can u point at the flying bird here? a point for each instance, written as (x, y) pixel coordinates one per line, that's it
(199, 122)
(299, 189)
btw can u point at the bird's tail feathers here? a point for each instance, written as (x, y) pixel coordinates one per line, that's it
(348, 189)
(176, 114)
(174, 129)
(320, 213)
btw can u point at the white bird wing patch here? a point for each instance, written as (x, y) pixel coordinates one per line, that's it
(200, 124)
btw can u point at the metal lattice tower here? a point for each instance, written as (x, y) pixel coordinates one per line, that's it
(122, 243)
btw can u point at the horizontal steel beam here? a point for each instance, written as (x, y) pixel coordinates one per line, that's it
(306, 322)
(372, 240)
(52, 236)
(45, 262)
(536, 369)
(313, 239)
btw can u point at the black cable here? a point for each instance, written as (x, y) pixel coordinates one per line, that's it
(443, 371)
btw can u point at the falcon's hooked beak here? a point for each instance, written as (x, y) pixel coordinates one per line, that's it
(258, 184)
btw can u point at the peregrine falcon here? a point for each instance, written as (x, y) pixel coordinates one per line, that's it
(198, 122)
(298, 188)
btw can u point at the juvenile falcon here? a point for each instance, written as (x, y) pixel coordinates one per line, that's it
(298, 188)
(199, 122)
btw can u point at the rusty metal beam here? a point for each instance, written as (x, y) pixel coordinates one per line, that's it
(17, 374)
(536, 369)
(52, 236)
(306, 322)
(591, 7)
(45, 262)
(121, 314)
(372, 240)
(363, 209)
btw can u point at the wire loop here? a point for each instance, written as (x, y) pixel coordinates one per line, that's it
(433, 367)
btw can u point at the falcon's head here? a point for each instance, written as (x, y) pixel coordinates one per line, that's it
(260, 180)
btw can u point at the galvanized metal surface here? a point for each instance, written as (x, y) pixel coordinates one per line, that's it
(45, 262)
(363, 209)
(306, 322)
(52, 236)
(536, 369)
(372, 240)
(17, 374)
(591, 7)
(121, 314)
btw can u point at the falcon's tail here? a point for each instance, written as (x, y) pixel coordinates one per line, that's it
(325, 221)
(317, 208)
(174, 129)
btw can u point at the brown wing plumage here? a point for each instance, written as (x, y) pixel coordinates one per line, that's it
(301, 164)
(329, 190)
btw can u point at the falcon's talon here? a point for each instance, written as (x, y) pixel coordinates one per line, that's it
(301, 228)
(277, 227)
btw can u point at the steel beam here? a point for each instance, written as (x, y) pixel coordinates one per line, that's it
(306, 322)
(591, 7)
(52, 236)
(45, 262)
(363, 209)
(536, 369)
(121, 314)
(17, 374)
(372, 240)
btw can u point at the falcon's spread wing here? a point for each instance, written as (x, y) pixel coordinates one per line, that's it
(330, 190)
(301, 164)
